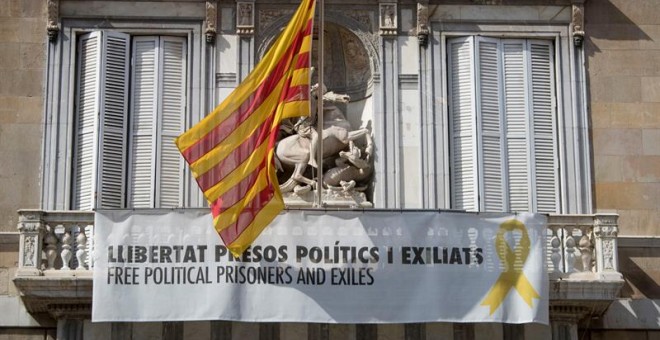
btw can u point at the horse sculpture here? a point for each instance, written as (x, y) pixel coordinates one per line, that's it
(297, 150)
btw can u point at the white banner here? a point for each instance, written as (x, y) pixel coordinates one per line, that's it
(314, 266)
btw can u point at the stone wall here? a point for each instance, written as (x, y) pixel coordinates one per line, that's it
(623, 67)
(22, 62)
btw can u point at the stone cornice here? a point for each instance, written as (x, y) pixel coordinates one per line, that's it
(58, 295)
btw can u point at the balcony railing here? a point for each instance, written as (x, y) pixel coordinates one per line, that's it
(56, 243)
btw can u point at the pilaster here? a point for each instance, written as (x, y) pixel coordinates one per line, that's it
(32, 228)
(245, 29)
(564, 321)
(388, 120)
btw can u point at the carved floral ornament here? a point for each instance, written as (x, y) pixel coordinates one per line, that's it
(211, 21)
(52, 22)
(577, 22)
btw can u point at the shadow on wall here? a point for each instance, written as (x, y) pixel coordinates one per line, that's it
(606, 23)
(639, 284)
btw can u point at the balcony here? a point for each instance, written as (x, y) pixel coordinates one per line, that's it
(56, 262)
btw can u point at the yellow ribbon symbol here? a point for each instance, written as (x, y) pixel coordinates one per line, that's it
(513, 261)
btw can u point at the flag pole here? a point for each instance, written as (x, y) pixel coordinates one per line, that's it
(319, 109)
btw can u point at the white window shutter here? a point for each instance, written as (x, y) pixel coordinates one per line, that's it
(543, 126)
(101, 111)
(462, 122)
(492, 177)
(144, 107)
(87, 108)
(113, 119)
(516, 124)
(502, 124)
(172, 108)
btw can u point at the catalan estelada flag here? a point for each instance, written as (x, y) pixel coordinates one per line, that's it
(230, 152)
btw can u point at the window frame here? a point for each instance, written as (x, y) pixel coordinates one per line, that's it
(60, 99)
(573, 157)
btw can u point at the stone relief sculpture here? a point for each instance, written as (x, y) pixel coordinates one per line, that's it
(349, 164)
(245, 14)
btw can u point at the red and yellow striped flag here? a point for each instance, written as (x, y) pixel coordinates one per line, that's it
(230, 152)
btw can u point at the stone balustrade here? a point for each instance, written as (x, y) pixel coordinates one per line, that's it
(578, 246)
(55, 242)
(56, 262)
(583, 247)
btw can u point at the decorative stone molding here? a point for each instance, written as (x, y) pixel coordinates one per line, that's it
(211, 21)
(52, 22)
(32, 229)
(606, 230)
(70, 311)
(577, 22)
(423, 22)
(245, 17)
(388, 19)
(568, 313)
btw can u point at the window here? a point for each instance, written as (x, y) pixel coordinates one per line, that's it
(502, 124)
(130, 104)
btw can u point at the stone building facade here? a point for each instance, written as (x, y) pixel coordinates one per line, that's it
(400, 61)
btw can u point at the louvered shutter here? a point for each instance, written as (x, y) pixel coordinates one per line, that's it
(516, 122)
(101, 111)
(114, 113)
(492, 177)
(87, 108)
(143, 122)
(543, 126)
(462, 120)
(172, 111)
(502, 124)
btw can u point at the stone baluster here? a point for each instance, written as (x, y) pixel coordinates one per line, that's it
(31, 227)
(606, 229)
(586, 248)
(569, 249)
(554, 245)
(66, 254)
(51, 248)
(81, 249)
(555, 257)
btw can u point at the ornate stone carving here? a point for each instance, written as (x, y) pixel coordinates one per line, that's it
(30, 221)
(211, 21)
(269, 16)
(352, 164)
(608, 254)
(245, 18)
(363, 17)
(29, 249)
(388, 19)
(52, 21)
(423, 23)
(578, 22)
(606, 230)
